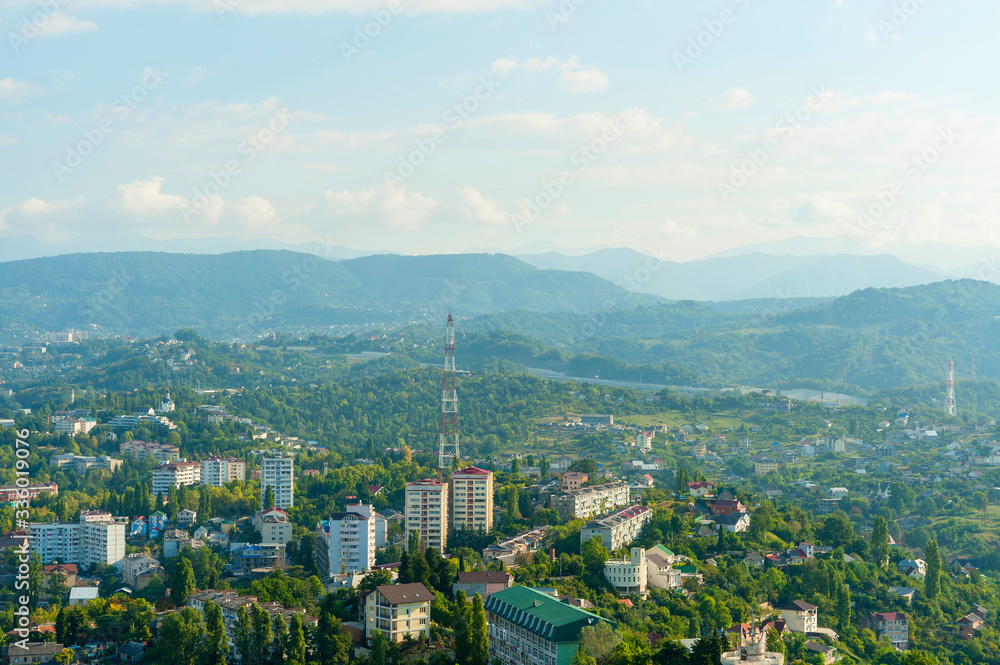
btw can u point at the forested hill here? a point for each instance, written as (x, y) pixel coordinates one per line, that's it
(143, 293)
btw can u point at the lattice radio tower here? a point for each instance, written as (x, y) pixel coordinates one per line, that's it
(952, 411)
(973, 366)
(448, 443)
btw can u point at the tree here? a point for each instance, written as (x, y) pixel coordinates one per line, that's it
(378, 649)
(181, 636)
(279, 646)
(511, 512)
(374, 579)
(243, 636)
(333, 645)
(65, 657)
(837, 531)
(880, 541)
(932, 579)
(599, 640)
(707, 650)
(261, 634)
(594, 556)
(843, 611)
(681, 481)
(762, 521)
(296, 652)
(57, 588)
(585, 465)
(479, 639)
(268, 501)
(183, 583)
(581, 658)
(216, 641)
(460, 625)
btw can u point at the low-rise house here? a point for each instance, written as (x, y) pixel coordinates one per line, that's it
(904, 592)
(483, 583)
(800, 616)
(893, 625)
(81, 595)
(660, 572)
(915, 568)
(701, 489)
(398, 611)
(36, 653)
(131, 652)
(827, 653)
(186, 518)
(734, 523)
(727, 507)
(68, 570)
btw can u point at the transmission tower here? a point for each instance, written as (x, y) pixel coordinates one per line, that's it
(973, 366)
(448, 443)
(952, 411)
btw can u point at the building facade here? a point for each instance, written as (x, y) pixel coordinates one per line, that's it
(398, 611)
(590, 501)
(427, 512)
(273, 525)
(345, 543)
(628, 575)
(276, 473)
(893, 625)
(800, 616)
(529, 627)
(218, 471)
(96, 538)
(140, 450)
(174, 475)
(472, 499)
(617, 530)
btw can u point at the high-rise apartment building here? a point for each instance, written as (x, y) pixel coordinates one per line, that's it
(218, 471)
(346, 541)
(472, 499)
(96, 538)
(276, 473)
(427, 512)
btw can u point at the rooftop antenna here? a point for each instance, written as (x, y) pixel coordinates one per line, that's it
(952, 411)
(448, 442)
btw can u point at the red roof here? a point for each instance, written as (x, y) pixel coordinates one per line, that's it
(472, 471)
(889, 616)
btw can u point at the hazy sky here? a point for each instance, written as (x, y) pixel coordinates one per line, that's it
(429, 125)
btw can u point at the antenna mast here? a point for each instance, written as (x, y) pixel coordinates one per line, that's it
(448, 443)
(952, 411)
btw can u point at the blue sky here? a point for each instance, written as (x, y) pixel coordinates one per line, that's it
(170, 93)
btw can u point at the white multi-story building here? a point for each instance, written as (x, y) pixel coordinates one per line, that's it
(427, 512)
(218, 471)
(617, 530)
(589, 501)
(83, 464)
(74, 426)
(174, 475)
(96, 538)
(893, 625)
(472, 499)
(140, 450)
(345, 543)
(628, 575)
(273, 525)
(276, 473)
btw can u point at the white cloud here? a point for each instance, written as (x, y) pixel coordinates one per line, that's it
(61, 23)
(197, 75)
(15, 92)
(255, 212)
(587, 80)
(734, 98)
(480, 208)
(145, 199)
(393, 204)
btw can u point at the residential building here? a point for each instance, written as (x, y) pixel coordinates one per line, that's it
(826, 653)
(175, 540)
(762, 467)
(529, 627)
(904, 592)
(230, 602)
(617, 530)
(427, 512)
(727, 507)
(277, 473)
(83, 464)
(218, 471)
(800, 616)
(472, 499)
(140, 418)
(140, 450)
(398, 611)
(594, 419)
(258, 561)
(700, 489)
(345, 543)
(507, 550)
(69, 571)
(628, 575)
(174, 475)
(10, 493)
(915, 568)
(482, 583)
(96, 538)
(186, 517)
(273, 525)
(74, 426)
(138, 570)
(572, 480)
(587, 502)
(734, 522)
(34, 654)
(893, 625)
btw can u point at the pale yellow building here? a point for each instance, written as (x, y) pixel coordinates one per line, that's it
(427, 512)
(398, 611)
(472, 499)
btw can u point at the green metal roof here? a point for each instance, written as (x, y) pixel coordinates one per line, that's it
(662, 550)
(542, 614)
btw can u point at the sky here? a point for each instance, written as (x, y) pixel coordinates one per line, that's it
(682, 129)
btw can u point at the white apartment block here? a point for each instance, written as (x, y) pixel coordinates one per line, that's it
(174, 475)
(276, 473)
(345, 543)
(472, 499)
(628, 575)
(74, 426)
(96, 538)
(427, 512)
(589, 501)
(218, 471)
(617, 530)
(82, 464)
